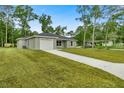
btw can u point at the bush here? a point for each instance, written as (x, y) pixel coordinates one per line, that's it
(100, 47)
(109, 47)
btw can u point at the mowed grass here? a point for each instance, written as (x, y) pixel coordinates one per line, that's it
(115, 56)
(31, 68)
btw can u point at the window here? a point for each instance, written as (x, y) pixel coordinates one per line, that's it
(71, 43)
(59, 43)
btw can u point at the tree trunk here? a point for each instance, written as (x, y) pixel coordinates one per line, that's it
(84, 38)
(12, 37)
(93, 34)
(6, 31)
(24, 31)
(1, 42)
(106, 38)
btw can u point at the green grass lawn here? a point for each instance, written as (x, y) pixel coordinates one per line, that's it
(31, 68)
(103, 54)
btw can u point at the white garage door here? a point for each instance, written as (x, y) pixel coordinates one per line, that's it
(46, 44)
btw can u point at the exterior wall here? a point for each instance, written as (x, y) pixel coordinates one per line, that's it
(37, 43)
(69, 44)
(44, 43)
(74, 43)
(21, 43)
(26, 43)
(31, 43)
(54, 43)
(62, 45)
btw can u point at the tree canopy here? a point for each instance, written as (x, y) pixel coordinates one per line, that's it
(97, 23)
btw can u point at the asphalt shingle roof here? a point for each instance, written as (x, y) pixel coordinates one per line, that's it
(54, 35)
(50, 35)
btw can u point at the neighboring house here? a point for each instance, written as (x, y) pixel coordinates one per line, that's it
(46, 41)
(99, 42)
(109, 43)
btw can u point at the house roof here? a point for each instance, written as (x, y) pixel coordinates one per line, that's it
(49, 35)
(58, 36)
(54, 35)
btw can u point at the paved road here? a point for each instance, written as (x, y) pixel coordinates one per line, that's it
(116, 69)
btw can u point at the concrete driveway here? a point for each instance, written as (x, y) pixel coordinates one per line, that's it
(116, 69)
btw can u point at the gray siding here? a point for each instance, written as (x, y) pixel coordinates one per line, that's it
(54, 43)
(62, 45)
(21, 43)
(37, 43)
(69, 44)
(44, 43)
(31, 43)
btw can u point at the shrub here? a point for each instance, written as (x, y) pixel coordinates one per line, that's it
(100, 47)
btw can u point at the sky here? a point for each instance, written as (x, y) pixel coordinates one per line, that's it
(63, 15)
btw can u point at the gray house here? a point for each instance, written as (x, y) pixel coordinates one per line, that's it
(99, 42)
(46, 41)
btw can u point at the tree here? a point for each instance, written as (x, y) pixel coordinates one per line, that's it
(24, 14)
(2, 24)
(8, 10)
(34, 33)
(117, 20)
(79, 34)
(95, 14)
(60, 30)
(113, 15)
(16, 34)
(120, 34)
(50, 29)
(84, 12)
(45, 21)
(99, 35)
(70, 33)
